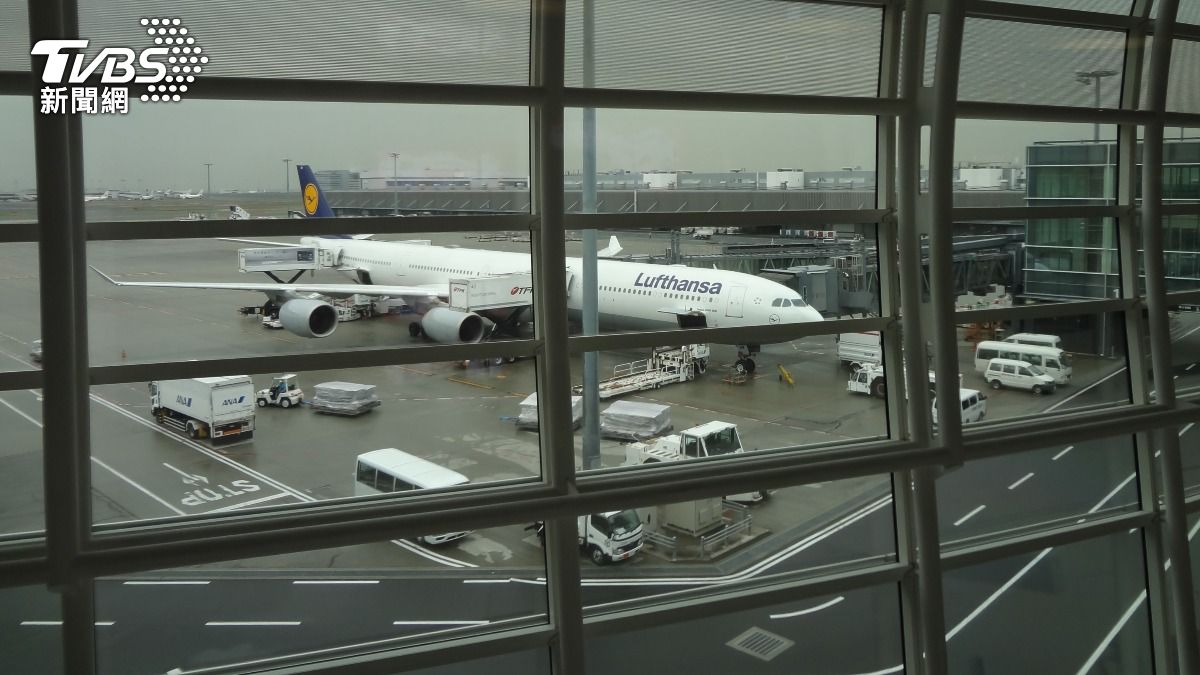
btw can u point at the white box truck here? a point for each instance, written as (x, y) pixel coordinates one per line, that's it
(220, 408)
(605, 537)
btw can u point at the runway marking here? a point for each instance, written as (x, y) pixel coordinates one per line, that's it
(14, 409)
(810, 610)
(140, 488)
(340, 582)
(1190, 366)
(440, 623)
(1021, 480)
(967, 517)
(1112, 494)
(1064, 451)
(992, 598)
(59, 623)
(166, 583)
(885, 671)
(252, 502)
(1186, 428)
(251, 623)
(1085, 389)
(410, 369)
(1112, 634)
(473, 384)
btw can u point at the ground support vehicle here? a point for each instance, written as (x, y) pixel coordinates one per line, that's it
(706, 440)
(220, 408)
(857, 350)
(605, 537)
(283, 392)
(666, 365)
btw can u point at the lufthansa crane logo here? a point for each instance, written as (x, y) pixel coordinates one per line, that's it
(311, 198)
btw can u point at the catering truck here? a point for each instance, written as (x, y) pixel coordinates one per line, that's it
(220, 408)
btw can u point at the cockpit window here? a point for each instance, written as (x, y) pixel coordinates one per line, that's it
(777, 302)
(799, 302)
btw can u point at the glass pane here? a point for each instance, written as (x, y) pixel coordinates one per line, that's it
(14, 39)
(702, 46)
(1189, 11)
(535, 662)
(483, 41)
(22, 484)
(1051, 487)
(670, 161)
(298, 605)
(32, 640)
(223, 444)
(1185, 60)
(1011, 62)
(648, 552)
(464, 160)
(855, 632)
(1108, 6)
(1074, 608)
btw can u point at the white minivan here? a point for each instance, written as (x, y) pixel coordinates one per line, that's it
(1035, 339)
(974, 406)
(1018, 375)
(391, 470)
(1055, 362)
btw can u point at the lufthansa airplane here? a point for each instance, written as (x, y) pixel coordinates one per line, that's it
(631, 296)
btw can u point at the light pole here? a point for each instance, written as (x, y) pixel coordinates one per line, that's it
(287, 181)
(395, 194)
(208, 170)
(1088, 77)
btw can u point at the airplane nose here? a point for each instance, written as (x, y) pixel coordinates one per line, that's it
(810, 314)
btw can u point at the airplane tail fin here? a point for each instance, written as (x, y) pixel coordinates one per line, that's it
(313, 199)
(613, 248)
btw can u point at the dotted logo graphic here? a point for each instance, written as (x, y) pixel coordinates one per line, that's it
(310, 198)
(186, 59)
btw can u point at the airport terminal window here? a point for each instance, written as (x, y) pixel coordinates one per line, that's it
(744, 204)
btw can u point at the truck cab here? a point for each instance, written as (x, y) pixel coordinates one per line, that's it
(711, 439)
(610, 536)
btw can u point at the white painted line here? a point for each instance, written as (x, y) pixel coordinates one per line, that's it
(105, 623)
(1081, 391)
(1112, 494)
(167, 583)
(1190, 366)
(995, 594)
(141, 488)
(1112, 634)
(486, 581)
(885, 671)
(251, 623)
(533, 582)
(964, 519)
(810, 610)
(14, 409)
(430, 555)
(1186, 428)
(252, 502)
(440, 623)
(1021, 480)
(313, 582)
(1064, 451)
(59, 623)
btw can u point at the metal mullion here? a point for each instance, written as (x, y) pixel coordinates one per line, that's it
(1032, 112)
(1190, 209)
(1183, 297)
(737, 597)
(297, 227)
(556, 435)
(1051, 16)
(1007, 547)
(1047, 310)
(1187, 31)
(15, 232)
(1192, 503)
(1181, 119)
(960, 213)
(1179, 578)
(364, 357)
(676, 220)
(767, 334)
(21, 379)
(24, 563)
(711, 101)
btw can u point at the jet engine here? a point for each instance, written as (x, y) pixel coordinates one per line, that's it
(446, 325)
(308, 318)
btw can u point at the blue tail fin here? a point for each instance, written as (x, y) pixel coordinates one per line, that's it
(315, 204)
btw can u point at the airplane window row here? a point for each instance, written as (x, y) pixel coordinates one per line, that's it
(433, 268)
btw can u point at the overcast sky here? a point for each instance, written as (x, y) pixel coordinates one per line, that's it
(165, 146)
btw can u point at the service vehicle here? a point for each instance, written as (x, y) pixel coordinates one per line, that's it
(219, 408)
(390, 470)
(283, 392)
(973, 403)
(1018, 375)
(1035, 339)
(605, 537)
(666, 365)
(710, 439)
(856, 350)
(1054, 361)
(870, 380)
(35, 350)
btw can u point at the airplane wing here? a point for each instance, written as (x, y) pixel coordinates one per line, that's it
(331, 290)
(610, 251)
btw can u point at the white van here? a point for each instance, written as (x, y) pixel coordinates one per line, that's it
(974, 406)
(392, 470)
(1035, 339)
(1054, 361)
(856, 350)
(1019, 375)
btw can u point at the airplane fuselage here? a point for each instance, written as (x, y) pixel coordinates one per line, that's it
(631, 296)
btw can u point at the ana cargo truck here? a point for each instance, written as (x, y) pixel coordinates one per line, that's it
(220, 408)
